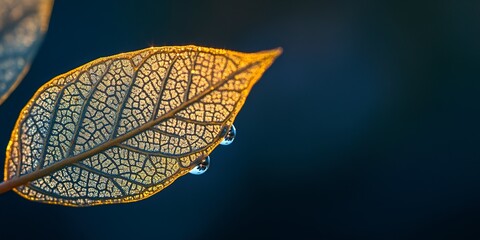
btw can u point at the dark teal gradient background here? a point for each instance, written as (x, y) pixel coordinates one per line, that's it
(365, 128)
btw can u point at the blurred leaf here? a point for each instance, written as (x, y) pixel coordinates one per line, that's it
(22, 26)
(122, 128)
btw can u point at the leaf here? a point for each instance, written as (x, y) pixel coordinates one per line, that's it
(22, 26)
(122, 128)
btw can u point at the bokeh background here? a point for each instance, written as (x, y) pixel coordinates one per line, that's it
(367, 127)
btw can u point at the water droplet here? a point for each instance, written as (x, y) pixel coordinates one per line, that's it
(202, 167)
(230, 136)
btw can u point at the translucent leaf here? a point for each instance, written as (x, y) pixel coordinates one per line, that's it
(22, 26)
(122, 128)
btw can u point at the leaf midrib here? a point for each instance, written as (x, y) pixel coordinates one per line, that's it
(20, 180)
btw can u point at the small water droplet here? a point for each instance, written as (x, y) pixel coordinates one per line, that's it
(202, 167)
(230, 136)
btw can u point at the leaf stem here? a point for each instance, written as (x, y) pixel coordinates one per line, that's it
(6, 186)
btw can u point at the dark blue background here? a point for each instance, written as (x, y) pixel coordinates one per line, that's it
(365, 128)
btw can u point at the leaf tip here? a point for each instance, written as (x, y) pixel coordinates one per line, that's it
(277, 51)
(272, 53)
(267, 57)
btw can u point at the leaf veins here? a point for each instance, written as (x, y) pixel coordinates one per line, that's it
(122, 128)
